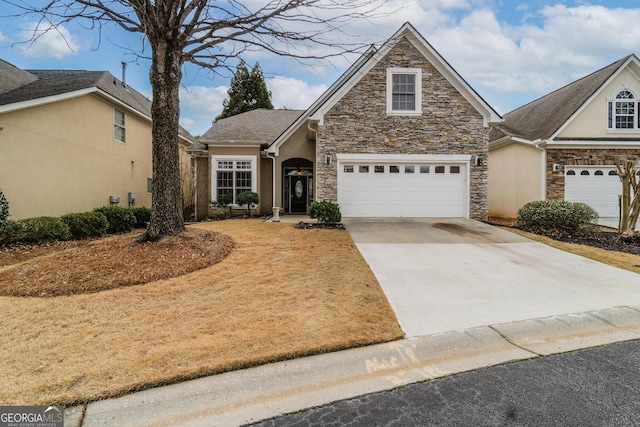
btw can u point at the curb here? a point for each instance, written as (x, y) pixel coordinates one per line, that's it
(251, 395)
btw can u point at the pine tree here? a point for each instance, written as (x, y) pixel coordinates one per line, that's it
(248, 92)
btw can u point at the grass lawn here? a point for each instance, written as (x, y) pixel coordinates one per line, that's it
(281, 293)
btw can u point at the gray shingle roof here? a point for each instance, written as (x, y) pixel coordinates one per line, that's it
(541, 118)
(12, 77)
(258, 126)
(37, 84)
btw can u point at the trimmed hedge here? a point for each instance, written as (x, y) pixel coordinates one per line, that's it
(13, 231)
(142, 215)
(558, 218)
(39, 229)
(86, 224)
(326, 212)
(121, 220)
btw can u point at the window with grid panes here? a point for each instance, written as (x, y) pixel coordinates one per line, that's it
(233, 177)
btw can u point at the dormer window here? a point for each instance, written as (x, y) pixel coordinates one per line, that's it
(404, 91)
(623, 112)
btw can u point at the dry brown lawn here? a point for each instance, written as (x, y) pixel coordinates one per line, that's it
(281, 293)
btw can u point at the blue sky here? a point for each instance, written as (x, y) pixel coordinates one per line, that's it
(510, 51)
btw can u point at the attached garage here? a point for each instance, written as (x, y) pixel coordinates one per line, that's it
(403, 185)
(596, 186)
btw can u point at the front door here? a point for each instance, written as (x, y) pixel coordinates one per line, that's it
(298, 194)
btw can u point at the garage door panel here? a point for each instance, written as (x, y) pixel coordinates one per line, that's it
(405, 193)
(600, 191)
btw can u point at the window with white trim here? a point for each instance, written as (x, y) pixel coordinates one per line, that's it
(404, 91)
(623, 112)
(119, 131)
(233, 175)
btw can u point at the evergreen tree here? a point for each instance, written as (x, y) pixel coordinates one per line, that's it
(248, 92)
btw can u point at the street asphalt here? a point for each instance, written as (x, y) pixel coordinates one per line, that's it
(519, 323)
(595, 387)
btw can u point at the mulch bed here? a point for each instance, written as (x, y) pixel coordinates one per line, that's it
(312, 225)
(78, 267)
(607, 238)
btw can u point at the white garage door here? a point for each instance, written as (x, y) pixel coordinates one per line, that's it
(398, 187)
(597, 186)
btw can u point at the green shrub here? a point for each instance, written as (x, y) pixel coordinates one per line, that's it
(120, 219)
(218, 213)
(557, 218)
(326, 212)
(44, 229)
(86, 224)
(248, 198)
(4, 210)
(223, 200)
(13, 231)
(143, 216)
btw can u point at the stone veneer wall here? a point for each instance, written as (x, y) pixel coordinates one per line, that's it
(577, 157)
(358, 123)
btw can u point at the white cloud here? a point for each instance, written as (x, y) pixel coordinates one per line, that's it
(568, 43)
(526, 53)
(200, 104)
(293, 93)
(199, 107)
(52, 43)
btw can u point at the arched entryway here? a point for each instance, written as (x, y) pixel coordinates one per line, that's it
(297, 185)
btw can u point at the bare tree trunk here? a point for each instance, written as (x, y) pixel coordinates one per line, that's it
(165, 75)
(634, 206)
(626, 172)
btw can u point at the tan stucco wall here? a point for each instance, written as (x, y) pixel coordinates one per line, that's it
(61, 157)
(296, 147)
(592, 121)
(261, 187)
(203, 192)
(515, 178)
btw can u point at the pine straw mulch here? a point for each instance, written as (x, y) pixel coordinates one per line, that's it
(108, 263)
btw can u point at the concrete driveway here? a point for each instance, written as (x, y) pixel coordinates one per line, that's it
(453, 274)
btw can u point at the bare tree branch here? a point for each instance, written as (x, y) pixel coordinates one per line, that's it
(212, 35)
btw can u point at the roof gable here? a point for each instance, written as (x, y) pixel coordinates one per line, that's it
(542, 118)
(369, 60)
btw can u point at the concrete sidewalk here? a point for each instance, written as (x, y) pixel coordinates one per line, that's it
(250, 395)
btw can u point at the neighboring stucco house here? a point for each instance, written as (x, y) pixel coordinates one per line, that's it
(399, 134)
(566, 144)
(72, 140)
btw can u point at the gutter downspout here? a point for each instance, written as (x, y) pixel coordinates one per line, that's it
(537, 144)
(195, 189)
(312, 126)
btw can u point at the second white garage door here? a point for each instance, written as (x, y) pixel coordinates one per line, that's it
(403, 186)
(596, 186)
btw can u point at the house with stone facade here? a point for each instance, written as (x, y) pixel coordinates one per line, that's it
(399, 134)
(566, 144)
